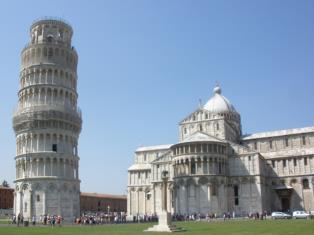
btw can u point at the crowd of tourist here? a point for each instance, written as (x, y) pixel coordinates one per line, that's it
(98, 218)
(101, 218)
(43, 219)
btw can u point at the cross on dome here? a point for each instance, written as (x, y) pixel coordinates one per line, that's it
(218, 103)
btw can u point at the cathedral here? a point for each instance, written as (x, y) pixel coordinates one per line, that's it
(214, 168)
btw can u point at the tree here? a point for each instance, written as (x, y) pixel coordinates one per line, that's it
(5, 184)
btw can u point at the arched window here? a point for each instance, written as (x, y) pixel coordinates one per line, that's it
(236, 194)
(193, 168)
(305, 183)
(50, 52)
(213, 190)
(49, 38)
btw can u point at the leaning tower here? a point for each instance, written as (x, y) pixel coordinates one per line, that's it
(47, 124)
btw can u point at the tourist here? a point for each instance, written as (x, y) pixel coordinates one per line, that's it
(33, 220)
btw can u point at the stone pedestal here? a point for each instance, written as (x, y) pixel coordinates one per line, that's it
(164, 220)
(164, 224)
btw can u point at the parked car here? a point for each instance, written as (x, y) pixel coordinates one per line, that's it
(280, 215)
(301, 215)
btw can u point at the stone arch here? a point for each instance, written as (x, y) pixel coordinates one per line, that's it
(57, 51)
(24, 186)
(45, 52)
(203, 180)
(293, 181)
(52, 187)
(191, 181)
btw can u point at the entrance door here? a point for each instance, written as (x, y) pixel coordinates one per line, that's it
(285, 204)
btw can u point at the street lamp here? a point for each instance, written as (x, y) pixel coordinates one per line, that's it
(108, 209)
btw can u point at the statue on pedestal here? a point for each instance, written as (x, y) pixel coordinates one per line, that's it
(164, 218)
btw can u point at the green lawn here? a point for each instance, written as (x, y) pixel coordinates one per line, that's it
(284, 227)
(4, 221)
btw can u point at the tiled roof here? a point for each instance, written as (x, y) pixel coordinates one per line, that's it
(107, 196)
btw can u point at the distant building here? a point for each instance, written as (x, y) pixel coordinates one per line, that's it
(95, 202)
(215, 169)
(6, 197)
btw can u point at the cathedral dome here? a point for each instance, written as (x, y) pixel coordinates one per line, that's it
(218, 103)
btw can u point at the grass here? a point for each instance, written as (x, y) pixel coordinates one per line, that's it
(4, 221)
(278, 227)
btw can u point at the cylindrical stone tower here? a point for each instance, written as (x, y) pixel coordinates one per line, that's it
(47, 124)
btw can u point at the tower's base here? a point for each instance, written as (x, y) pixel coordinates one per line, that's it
(164, 224)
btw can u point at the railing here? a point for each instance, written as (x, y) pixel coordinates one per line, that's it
(51, 18)
(55, 42)
(44, 106)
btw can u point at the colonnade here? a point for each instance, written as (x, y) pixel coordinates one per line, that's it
(43, 142)
(48, 75)
(191, 148)
(46, 166)
(35, 55)
(200, 165)
(33, 96)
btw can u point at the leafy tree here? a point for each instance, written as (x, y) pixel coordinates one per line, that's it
(5, 184)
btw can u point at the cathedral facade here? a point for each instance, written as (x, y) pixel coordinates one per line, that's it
(215, 169)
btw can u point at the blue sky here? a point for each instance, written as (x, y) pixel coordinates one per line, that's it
(143, 66)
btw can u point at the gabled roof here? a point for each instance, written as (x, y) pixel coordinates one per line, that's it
(140, 166)
(199, 109)
(201, 137)
(241, 149)
(269, 134)
(163, 157)
(153, 148)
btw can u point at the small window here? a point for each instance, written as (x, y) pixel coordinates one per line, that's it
(200, 128)
(148, 195)
(54, 147)
(287, 142)
(38, 198)
(25, 207)
(255, 145)
(99, 203)
(193, 168)
(273, 163)
(50, 52)
(305, 183)
(249, 158)
(206, 116)
(303, 140)
(49, 38)
(146, 174)
(236, 190)
(145, 157)
(236, 201)
(295, 162)
(284, 162)
(217, 126)
(138, 175)
(271, 144)
(185, 131)
(305, 161)
(213, 190)
(219, 168)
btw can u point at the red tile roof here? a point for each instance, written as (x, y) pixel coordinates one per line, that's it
(107, 196)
